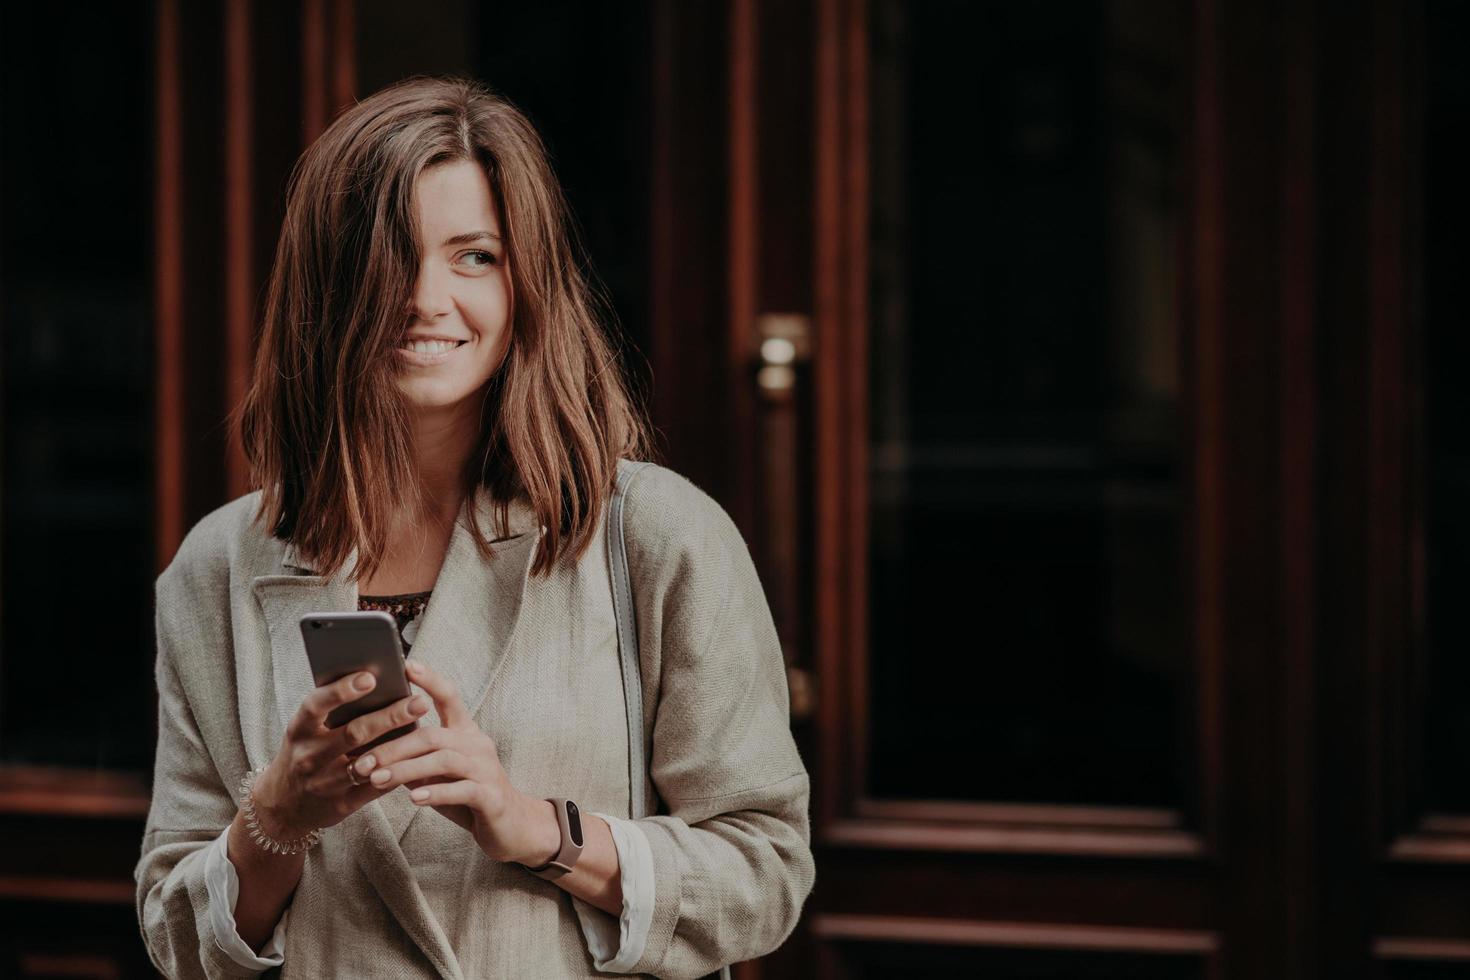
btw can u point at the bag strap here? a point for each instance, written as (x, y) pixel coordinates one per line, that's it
(622, 590)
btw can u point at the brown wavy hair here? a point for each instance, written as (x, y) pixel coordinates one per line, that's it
(323, 424)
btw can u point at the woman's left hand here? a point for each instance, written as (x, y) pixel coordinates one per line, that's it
(457, 770)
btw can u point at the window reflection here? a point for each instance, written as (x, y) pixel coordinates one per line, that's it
(1029, 604)
(1446, 724)
(76, 500)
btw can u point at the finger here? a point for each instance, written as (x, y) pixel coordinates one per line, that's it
(355, 789)
(312, 714)
(417, 742)
(465, 792)
(364, 728)
(452, 711)
(359, 796)
(444, 762)
(416, 783)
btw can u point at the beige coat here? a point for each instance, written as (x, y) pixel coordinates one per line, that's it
(397, 890)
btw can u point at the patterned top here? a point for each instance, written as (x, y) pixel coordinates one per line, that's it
(406, 608)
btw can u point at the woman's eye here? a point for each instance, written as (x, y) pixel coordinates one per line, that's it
(489, 257)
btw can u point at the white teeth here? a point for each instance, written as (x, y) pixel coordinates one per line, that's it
(430, 346)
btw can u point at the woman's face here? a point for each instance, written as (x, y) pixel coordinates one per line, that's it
(463, 292)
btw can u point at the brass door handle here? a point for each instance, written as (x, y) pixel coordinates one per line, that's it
(803, 688)
(785, 341)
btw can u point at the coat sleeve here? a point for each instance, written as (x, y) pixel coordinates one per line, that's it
(731, 842)
(190, 807)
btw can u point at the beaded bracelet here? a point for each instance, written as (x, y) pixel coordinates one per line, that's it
(247, 806)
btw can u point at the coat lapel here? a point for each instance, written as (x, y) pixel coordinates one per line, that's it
(284, 598)
(463, 635)
(466, 629)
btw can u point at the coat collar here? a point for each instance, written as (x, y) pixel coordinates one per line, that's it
(464, 635)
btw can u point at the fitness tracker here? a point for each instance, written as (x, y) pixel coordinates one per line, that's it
(570, 819)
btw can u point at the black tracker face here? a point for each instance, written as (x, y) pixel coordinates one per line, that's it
(574, 823)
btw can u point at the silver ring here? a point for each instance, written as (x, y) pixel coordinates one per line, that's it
(352, 774)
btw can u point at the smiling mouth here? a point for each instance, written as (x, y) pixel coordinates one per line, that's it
(431, 347)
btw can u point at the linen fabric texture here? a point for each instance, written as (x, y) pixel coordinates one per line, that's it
(395, 889)
(615, 942)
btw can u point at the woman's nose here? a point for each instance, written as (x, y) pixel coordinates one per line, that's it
(430, 298)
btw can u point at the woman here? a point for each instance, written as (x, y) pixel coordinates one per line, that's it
(432, 372)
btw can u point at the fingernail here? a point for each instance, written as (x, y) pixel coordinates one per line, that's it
(366, 763)
(363, 682)
(418, 704)
(382, 775)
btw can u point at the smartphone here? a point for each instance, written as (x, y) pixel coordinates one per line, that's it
(342, 643)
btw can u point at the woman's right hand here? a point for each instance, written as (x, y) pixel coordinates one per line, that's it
(307, 786)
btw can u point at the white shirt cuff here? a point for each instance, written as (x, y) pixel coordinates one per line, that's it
(616, 944)
(223, 883)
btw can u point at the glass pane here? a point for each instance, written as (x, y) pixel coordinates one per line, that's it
(1029, 607)
(1446, 404)
(76, 512)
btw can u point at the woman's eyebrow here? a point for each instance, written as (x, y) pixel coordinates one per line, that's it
(469, 236)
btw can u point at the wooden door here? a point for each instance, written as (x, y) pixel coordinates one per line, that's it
(1395, 892)
(1018, 655)
(1100, 360)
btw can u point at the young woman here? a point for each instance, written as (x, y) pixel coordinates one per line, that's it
(435, 423)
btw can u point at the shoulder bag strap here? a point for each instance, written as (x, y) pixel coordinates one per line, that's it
(622, 589)
(622, 593)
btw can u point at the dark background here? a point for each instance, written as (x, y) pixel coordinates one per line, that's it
(1112, 517)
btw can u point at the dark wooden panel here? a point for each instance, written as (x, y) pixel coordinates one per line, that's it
(1029, 502)
(1015, 828)
(1396, 869)
(1436, 209)
(1429, 900)
(689, 238)
(76, 426)
(71, 939)
(1171, 895)
(1417, 960)
(921, 950)
(1349, 761)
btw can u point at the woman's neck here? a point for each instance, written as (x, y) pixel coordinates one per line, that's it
(443, 442)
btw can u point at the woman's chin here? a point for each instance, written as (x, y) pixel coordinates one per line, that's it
(436, 402)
